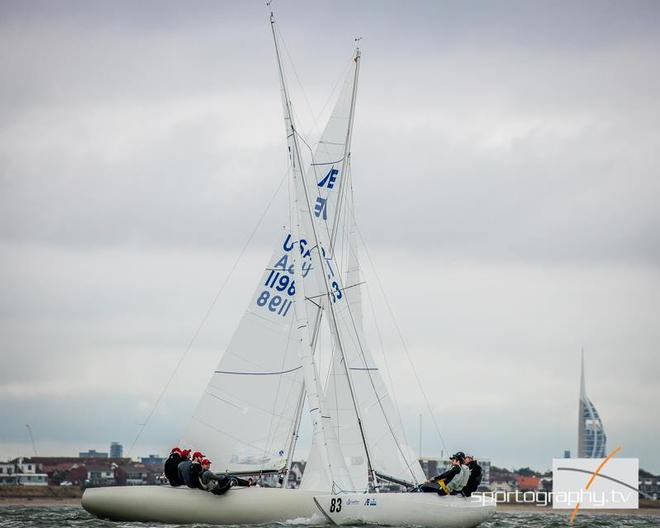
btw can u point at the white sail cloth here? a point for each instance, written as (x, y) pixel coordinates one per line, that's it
(247, 414)
(383, 433)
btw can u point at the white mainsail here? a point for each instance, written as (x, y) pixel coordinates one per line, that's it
(235, 424)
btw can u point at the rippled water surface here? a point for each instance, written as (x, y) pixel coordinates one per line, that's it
(71, 517)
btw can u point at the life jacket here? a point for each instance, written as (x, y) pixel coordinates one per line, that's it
(172, 469)
(460, 479)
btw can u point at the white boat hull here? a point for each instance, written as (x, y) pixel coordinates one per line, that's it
(184, 505)
(263, 505)
(405, 509)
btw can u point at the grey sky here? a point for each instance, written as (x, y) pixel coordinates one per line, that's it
(505, 162)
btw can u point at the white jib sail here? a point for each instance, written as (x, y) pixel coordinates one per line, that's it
(384, 439)
(389, 451)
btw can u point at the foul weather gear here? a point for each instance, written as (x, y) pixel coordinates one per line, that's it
(474, 480)
(220, 484)
(172, 469)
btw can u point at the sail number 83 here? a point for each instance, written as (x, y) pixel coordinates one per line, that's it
(335, 505)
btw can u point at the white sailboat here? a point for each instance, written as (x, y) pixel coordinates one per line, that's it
(248, 418)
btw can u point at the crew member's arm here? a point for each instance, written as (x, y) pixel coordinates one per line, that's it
(448, 475)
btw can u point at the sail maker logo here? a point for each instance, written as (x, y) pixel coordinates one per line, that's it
(595, 483)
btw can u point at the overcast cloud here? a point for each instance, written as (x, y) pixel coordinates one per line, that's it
(505, 159)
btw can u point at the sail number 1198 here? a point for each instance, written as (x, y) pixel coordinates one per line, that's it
(276, 301)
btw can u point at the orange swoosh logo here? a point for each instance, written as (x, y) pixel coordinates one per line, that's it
(592, 478)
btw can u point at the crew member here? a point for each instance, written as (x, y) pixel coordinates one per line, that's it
(219, 484)
(189, 470)
(452, 481)
(475, 476)
(172, 465)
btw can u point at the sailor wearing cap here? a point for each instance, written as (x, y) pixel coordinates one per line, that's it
(171, 469)
(189, 471)
(475, 476)
(452, 481)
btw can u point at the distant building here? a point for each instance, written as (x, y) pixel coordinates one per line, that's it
(21, 472)
(135, 474)
(567, 453)
(26, 465)
(153, 460)
(93, 453)
(649, 487)
(485, 472)
(591, 434)
(501, 485)
(524, 483)
(116, 450)
(429, 466)
(31, 479)
(100, 475)
(7, 472)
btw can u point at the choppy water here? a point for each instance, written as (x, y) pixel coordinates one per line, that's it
(73, 517)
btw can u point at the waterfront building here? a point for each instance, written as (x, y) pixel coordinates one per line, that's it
(21, 472)
(92, 453)
(527, 483)
(153, 460)
(116, 450)
(100, 475)
(649, 486)
(591, 434)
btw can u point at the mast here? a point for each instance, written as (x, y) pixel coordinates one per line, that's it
(347, 147)
(312, 382)
(294, 436)
(300, 404)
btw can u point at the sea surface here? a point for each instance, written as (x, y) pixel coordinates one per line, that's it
(75, 517)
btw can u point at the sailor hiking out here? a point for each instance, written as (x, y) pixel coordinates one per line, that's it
(475, 476)
(219, 484)
(190, 470)
(452, 481)
(171, 469)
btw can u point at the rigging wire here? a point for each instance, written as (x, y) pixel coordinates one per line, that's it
(403, 342)
(207, 314)
(382, 351)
